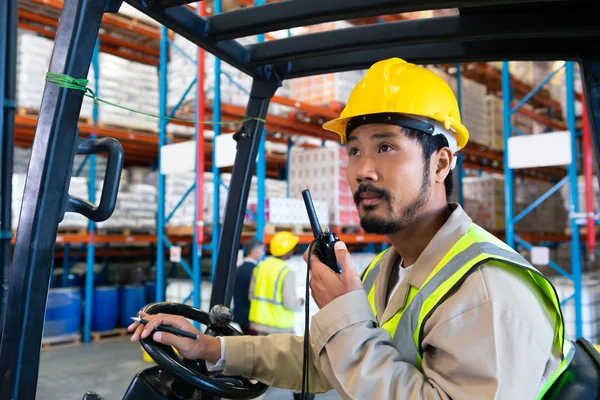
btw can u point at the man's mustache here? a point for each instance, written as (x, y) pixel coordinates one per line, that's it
(369, 188)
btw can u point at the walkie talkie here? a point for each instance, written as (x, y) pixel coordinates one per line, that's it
(324, 241)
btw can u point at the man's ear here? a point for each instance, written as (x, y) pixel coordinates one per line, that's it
(443, 163)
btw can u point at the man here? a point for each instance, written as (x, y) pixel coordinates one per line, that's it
(254, 251)
(273, 297)
(448, 311)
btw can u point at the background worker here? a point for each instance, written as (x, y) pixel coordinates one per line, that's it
(254, 250)
(448, 311)
(273, 296)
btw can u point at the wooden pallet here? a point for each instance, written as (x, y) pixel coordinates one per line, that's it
(133, 129)
(62, 341)
(125, 231)
(113, 334)
(272, 229)
(34, 112)
(74, 230)
(180, 230)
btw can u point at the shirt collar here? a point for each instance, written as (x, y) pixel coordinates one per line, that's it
(250, 260)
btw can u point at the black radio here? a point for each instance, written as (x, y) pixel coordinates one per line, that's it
(324, 241)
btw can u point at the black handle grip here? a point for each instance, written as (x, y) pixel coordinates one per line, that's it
(112, 179)
(324, 241)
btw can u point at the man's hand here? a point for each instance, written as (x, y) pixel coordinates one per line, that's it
(204, 348)
(326, 285)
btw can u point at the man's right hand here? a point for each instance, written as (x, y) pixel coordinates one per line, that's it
(204, 348)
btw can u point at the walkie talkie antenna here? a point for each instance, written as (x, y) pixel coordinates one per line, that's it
(312, 214)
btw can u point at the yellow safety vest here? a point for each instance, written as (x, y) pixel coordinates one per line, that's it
(473, 249)
(266, 306)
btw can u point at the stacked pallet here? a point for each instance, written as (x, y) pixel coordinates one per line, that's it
(323, 172)
(176, 186)
(121, 81)
(33, 60)
(485, 203)
(131, 84)
(235, 85)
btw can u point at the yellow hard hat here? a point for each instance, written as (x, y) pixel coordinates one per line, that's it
(282, 243)
(396, 86)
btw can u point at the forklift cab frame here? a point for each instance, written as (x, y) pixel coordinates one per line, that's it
(485, 30)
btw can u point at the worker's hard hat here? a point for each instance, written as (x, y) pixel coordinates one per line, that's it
(282, 243)
(394, 86)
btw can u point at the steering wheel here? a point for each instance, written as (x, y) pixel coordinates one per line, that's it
(195, 373)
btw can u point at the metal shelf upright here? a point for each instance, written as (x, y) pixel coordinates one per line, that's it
(162, 241)
(8, 78)
(511, 238)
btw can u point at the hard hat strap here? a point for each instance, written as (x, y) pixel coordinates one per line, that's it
(391, 119)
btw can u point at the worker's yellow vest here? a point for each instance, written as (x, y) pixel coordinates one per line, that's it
(473, 249)
(266, 306)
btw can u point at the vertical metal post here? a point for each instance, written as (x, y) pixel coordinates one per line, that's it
(162, 134)
(216, 225)
(261, 169)
(237, 200)
(588, 172)
(43, 200)
(508, 173)
(199, 198)
(459, 162)
(572, 171)
(91, 249)
(8, 73)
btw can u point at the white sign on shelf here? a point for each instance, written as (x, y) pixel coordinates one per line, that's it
(178, 157)
(175, 254)
(540, 255)
(542, 150)
(225, 150)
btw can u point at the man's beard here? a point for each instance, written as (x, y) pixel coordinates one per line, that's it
(391, 224)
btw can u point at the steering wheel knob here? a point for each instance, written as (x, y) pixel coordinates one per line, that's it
(221, 316)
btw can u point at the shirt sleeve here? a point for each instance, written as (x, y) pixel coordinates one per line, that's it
(275, 360)
(485, 352)
(291, 301)
(220, 365)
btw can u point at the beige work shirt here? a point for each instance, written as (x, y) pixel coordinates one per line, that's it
(492, 339)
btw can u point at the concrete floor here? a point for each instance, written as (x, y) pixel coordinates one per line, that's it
(106, 368)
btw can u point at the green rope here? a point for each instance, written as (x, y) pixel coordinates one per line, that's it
(68, 82)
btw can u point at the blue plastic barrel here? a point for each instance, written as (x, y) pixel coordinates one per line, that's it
(63, 312)
(106, 308)
(132, 299)
(150, 288)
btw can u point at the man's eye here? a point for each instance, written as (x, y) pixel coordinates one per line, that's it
(385, 148)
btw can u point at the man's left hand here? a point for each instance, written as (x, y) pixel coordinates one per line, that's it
(327, 285)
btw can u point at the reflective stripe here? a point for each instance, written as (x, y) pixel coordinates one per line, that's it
(274, 301)
(409, 321)
(371, 272)
(277, 303)
(370, 278)
(285, 269)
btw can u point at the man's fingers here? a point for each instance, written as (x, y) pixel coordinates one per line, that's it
(133, 326)
(137, 334)
(170, 340)
(343, 256)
